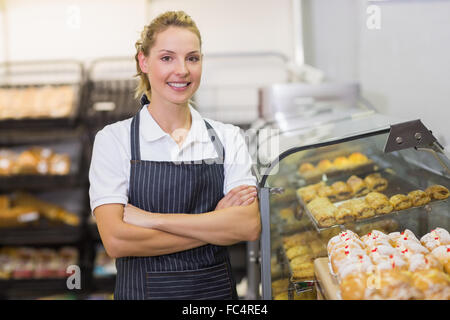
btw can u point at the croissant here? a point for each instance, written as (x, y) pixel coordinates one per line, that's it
(400, 202)
(419, 198)
(437, 192)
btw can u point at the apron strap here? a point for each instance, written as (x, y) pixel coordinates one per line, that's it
(134, 136)
(216, 142)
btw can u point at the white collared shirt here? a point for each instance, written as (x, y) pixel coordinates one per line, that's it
(109, 173)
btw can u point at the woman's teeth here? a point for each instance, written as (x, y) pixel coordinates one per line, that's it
(178, 85)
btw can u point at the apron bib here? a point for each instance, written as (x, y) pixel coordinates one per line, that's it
(175, 187)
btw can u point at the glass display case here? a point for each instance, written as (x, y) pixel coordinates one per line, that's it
(307, 177)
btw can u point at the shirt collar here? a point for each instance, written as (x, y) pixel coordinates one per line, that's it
(151, 131)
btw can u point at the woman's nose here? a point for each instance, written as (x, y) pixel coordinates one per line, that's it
(181, 68)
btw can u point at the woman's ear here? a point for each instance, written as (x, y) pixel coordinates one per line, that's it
(143, 62)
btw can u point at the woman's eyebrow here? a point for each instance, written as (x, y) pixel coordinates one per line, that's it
(165, 50)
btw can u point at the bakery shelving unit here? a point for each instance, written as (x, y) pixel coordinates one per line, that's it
(25, 84)
(109, 97)
(404, 152)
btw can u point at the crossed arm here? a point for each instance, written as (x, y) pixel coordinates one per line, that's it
(130, 231)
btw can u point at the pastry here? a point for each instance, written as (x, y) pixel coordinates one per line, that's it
(341, 190)
(419, 198)
(442, 253)
(308, 170)
(424, 262)
(59, 164)
(342, 163)
(360, 208)
(325, 165)
(7, 159)
(304, 167)
(437, 237)
(4, 203)
(279, 286)
(323, 211)
(26, 163)
(358, 186)
(353, 286)
(345, 214)
(309, 192)
(359, 263)
(379, 202)
(318, 249)
(431, 282)
(375, 182)
(293, 252)
(328, 192)
(357, 158)
(392, 285)
(303, 273)
(437, 192)
(400, 202)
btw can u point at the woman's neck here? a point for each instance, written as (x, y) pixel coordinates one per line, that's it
(173, 119)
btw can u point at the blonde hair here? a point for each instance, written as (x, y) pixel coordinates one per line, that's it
(148, 38)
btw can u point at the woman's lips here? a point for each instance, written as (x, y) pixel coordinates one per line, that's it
(178, 86)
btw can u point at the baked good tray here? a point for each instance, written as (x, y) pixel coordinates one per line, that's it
(396, 185)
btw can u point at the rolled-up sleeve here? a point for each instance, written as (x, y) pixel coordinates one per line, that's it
(107, 173)
(238, 162)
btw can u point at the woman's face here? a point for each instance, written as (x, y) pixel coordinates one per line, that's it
(173, 66)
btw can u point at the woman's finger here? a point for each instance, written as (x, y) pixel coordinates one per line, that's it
(245, 197)
(242, 194)
(248, 201)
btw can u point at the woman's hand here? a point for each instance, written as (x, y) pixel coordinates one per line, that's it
(138, 217)
(239, 196)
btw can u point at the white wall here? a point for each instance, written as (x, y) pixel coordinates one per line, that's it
(85, 30)
(72, 29)
(403, 67)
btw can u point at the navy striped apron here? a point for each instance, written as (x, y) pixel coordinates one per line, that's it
(176, 187)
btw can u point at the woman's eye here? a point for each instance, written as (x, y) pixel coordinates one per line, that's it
(194, 59)
(166, 58)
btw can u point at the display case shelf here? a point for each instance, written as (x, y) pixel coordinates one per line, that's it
(42, 232)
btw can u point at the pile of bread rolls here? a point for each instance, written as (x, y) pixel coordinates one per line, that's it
(325, 166)
(35, 161)
(22, 209)
(36, 102)
(393, 266)
(340, 190)
(36, 263)
(301, 249)
(328, 214)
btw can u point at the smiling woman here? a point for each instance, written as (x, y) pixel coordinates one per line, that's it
(170, 189)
